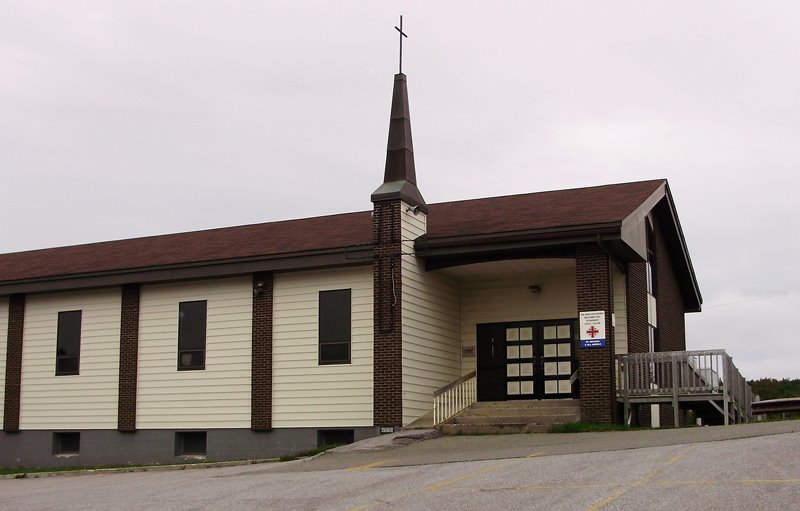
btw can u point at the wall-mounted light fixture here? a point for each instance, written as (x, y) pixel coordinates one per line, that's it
(535, 289)
(258, 288)
(413, 209)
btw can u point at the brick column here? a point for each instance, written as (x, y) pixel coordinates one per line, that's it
(387, 293)
(636, 284)
(128, 358)
(261, 379)
(595, 292)
(16, 323)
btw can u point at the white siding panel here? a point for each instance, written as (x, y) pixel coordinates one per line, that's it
(215, 397)
(3, 346)
(431, 325)
(509, 299)
(84, 401)
(620, 313)
(306, 394)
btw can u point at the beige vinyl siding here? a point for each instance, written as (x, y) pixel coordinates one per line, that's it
(215, 397)
(431, 325)
(508, 298)
(306, 394)
(84, 401)
(3, 345)
(620, 313)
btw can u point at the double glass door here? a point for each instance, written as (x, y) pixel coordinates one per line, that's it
(526, 360)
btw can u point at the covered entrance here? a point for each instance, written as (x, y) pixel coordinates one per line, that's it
(526, 360)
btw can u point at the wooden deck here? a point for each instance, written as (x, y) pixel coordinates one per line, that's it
(676, 377)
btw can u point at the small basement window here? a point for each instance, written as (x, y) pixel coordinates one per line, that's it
(190, 443)
(66, 444)
(335, 437)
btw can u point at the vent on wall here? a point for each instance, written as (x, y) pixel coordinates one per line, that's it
(190, 443)
(334, 437)
(66, 444)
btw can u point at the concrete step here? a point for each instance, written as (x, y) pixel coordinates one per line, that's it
(506, 419)
(497, 417)
(520, 412)
(532, 403)
(492, 429)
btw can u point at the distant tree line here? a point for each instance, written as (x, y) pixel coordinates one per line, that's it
(770, 388)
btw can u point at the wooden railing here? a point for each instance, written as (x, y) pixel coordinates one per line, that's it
(676, 376)
(454, 397)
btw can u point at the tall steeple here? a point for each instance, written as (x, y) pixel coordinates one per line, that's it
(400, 176)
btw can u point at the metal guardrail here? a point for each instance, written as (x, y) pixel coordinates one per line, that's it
(783, 405)
(454, 397)
(679, 376)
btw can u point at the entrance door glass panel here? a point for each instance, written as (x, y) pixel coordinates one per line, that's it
(526, 360)
(559, 365)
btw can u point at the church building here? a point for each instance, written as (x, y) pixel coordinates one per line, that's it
(261, 340)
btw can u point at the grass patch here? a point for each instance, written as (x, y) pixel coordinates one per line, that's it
(587, 427)
(308, 453)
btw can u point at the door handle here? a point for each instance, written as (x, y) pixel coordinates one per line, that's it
(492, 347)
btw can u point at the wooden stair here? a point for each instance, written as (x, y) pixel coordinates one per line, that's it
(493, 417)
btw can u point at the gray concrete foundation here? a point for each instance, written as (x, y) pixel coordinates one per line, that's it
(111, 447)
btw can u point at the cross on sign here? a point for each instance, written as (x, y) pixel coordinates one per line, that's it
(593, 331)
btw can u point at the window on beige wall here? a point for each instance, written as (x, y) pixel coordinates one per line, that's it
(68, 343)
(334, 326)
(192, 335)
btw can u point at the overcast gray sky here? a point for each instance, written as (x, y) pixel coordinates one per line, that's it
(129, 118)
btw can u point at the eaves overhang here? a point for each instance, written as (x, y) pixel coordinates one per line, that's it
(331, 258)
(439, 252)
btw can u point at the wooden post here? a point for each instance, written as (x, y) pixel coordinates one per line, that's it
(726, 384)
(675, 414)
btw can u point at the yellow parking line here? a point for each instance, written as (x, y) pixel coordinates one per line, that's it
(362, 508)
(464, 477)
(710, 482)
(368, 466)
(768, 481)
(640, 482)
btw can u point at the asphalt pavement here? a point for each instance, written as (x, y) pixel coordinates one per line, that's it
(751, 466)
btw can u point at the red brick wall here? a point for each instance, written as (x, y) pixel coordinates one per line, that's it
(636, 283)
(670, 316)
(387, 373)
(128, 358)
(261, 391)
(16, 322)
(670, 308)
(594, 290)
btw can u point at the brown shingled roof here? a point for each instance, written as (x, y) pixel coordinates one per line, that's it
(291, 236)
(542, 210)
(562, 208)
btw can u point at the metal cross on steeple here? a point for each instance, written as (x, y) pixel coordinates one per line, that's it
(402, 35)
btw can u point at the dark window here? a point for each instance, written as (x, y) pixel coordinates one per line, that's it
(190, 443)
(334, 327)
(334, 437)
(192, 335)
(66, 443)
(68, 343)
